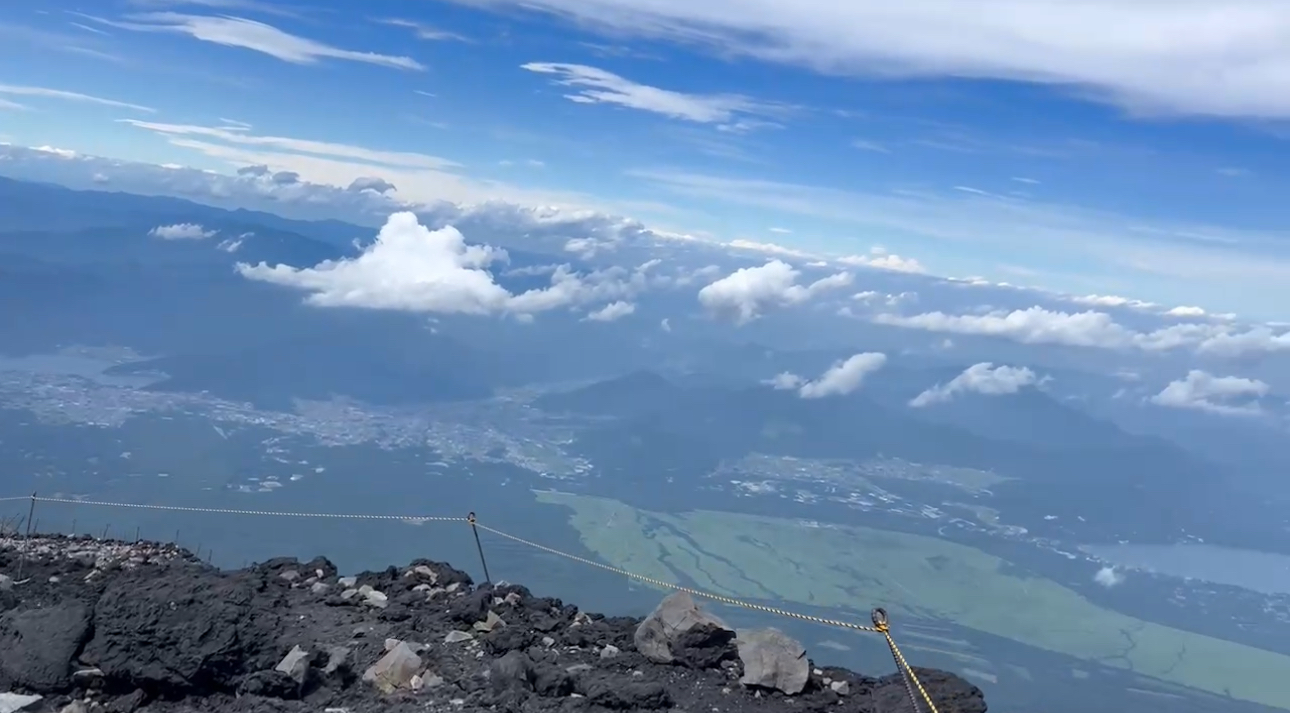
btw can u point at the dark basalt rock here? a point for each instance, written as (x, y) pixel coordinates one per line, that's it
(177, 636)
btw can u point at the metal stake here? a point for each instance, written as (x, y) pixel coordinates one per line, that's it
(479, 546)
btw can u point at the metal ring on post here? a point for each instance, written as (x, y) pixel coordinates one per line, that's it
(879, 618)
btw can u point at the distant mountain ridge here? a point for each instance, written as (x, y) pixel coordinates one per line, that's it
(1061, 461)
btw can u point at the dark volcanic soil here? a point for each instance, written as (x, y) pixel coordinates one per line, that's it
(121, 628)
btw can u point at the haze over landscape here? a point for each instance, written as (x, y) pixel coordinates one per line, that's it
(977, 315)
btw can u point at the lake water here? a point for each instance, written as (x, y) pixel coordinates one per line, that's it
(1258, 571)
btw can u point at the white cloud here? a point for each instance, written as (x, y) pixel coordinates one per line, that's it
(256, 36)
(665, 324)
(882, 260)
(1027, 181)
(785, 381)
(1184, 311)
(1037, 325)
(181, 231)
(767, 248)
(781, 231)
(414, 269)
(983, 378)
(587, 248)
(840, 379)
(1225, 395)
(330, 167)
(1255, 340)
(597, 86)
(1108, 577)
(47, 93)
(748, 292)
(612, 312)
(1053, 42)
(1109, 301)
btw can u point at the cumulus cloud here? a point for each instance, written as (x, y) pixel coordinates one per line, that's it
(612, 311)
(587, 248)
(1108, 577)
(983, 378)
(597, 86)
(748, 292)
(1255, 340)
(1225, 395)
(840, 379)
(181, 231)
(412, 268)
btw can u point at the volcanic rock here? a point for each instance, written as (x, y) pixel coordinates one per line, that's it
(156, 630)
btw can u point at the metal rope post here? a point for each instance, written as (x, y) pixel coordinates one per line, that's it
(22, 559)
(479, 546)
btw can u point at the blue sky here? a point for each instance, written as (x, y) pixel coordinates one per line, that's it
(1130, 147)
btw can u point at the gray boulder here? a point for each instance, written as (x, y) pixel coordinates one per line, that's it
(773, 660)
(657, 637)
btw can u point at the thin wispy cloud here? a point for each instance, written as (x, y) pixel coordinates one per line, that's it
(864, 145)
(47, 93)
(238, 135)
(257, 37)
(79, 43)
(87, 28)
(1054, 42)
(597, 86)
(423, 31)
(264, 8)
(1046, 231)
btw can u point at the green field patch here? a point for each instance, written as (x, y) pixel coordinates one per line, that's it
(855, 568)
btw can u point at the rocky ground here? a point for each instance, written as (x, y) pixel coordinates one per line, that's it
(90, 626)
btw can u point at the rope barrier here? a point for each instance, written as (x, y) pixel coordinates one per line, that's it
(913, 686)
(879, 616)
(228, 511)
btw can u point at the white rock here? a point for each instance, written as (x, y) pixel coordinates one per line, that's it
(395, 669)
(14, 702)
